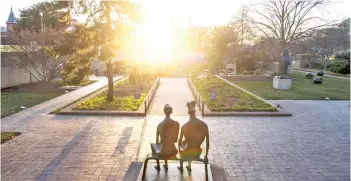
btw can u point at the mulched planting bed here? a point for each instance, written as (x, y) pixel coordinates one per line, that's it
(123, 99)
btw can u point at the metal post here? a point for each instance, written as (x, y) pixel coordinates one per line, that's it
(203, 110)
(145, 106)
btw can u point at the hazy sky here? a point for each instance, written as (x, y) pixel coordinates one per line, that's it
(205, 13)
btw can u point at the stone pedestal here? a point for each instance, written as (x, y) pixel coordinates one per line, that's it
(173, 174)
(282, 83)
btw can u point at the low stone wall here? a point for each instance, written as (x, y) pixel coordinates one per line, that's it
(246, 78)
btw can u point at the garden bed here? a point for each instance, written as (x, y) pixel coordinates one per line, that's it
(302, 89)
(124, 102)
(228, 98)
(123, 97)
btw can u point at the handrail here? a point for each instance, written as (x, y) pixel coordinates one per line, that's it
(150, 96)
(199, 100)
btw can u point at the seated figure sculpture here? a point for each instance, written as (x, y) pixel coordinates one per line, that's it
(167, 131)
(194, 131)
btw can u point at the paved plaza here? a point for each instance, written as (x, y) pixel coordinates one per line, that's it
(313, 144)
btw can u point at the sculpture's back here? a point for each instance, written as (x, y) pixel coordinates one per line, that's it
(168, 130)
(194, 132)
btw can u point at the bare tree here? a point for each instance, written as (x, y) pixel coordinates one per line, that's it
(35, 46)
(286, 20)
(222, 38)
(327, 42)
(242, 23)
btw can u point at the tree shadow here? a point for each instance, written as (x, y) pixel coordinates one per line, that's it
(51, 168)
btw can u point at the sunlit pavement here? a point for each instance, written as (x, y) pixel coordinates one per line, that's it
(175, 92)
(313, 144)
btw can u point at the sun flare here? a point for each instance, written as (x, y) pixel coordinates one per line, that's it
(154, 41)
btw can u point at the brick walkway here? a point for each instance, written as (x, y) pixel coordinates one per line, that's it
(311, 145)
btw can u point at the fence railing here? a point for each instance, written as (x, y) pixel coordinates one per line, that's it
(199, 100)
(150, 95)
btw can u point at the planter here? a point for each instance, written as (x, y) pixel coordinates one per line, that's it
(282, 83)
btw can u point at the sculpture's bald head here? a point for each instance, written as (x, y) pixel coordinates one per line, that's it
(167, 109)
(191, 106)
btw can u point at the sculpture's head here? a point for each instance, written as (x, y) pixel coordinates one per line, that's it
(167, 109)
(285, 52)
(191, 107)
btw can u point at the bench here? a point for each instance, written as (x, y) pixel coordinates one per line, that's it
(152, 156)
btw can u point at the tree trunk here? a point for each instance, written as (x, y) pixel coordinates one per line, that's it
(110, 81)
(326, 62)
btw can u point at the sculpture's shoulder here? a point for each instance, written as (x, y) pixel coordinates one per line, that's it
(201, 121)
(170, 122)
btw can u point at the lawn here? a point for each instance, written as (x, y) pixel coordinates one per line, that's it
(12, 101)
(228, 98)
(123, 99)
(28, 95)
(302, 89)
(5, 136)
(326, 71)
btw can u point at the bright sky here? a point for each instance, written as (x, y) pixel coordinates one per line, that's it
(205, 13)
(156, 31)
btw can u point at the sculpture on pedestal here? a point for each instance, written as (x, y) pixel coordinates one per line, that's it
(194, 132)
(167, 131)
(285, 61)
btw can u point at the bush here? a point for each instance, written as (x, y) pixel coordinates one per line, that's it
(72, 74)
(247, 60)
(340, 67)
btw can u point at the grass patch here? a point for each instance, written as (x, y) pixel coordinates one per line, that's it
(12, 101)
(228, 98)
(123, 99)
(325, 71)
(302, 89)
(5, 136)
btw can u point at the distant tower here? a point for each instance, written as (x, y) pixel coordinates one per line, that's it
(11, 21)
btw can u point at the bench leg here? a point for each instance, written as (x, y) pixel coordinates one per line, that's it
(158, 168)
(206, 171)
(144, 170)
(181, 165)
(189, 166)
(166, 165)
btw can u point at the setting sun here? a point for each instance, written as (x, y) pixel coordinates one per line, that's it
(154, 41)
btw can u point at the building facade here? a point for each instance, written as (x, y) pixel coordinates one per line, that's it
(11, 74)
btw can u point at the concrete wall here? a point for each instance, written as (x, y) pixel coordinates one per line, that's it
(246, 78)
(231, 66)
(272, 67)
(12, 75)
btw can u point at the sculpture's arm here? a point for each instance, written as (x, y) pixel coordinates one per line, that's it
(207, 142)
(175, 140)
(157, 136)
(180, 139)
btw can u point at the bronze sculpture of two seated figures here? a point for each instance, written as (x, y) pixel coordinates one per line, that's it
(194, 132)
